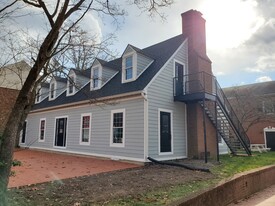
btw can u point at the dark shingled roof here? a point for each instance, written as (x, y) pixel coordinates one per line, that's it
(160, 52)
(263, 88)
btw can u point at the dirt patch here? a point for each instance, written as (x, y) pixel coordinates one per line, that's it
(103, 187)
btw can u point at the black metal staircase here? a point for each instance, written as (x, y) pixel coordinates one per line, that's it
(204, 89)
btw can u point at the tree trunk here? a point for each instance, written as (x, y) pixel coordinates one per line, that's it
(17, 116)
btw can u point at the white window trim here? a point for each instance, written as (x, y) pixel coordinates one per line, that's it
(111, 128)
(39, 131)
(99, 77)
(38, 92)
(70, 77)
(59, 117)
(268, 129)
(54, 92)
(134, 59)
(172, 132)
(90, 129)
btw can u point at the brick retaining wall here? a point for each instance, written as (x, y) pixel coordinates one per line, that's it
(239, 187)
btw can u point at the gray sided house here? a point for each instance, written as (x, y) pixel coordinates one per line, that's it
(133, 107)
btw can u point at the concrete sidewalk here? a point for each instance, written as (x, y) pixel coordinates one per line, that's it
(268, 202)
(42, 166)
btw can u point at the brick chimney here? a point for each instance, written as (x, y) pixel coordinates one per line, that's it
(193, 27)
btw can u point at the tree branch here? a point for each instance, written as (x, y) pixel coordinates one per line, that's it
(8, 6)
(47, 13)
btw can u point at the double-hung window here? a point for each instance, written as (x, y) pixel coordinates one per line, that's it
(38, 95)
(42, 129)
(52, 90)
(118, 127)
(96, 78)
(71, 86)
(85, 132)
(129, 68)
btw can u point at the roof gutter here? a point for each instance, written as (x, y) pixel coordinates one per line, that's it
(103, 100)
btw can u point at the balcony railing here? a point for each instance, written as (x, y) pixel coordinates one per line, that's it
(201, 82)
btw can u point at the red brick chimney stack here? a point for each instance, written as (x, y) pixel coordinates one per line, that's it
(193, 26)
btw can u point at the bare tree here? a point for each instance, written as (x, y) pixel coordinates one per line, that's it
(82, 48)
(250, 107)
(62, 16)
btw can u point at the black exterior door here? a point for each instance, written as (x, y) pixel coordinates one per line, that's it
(179, 78)
(165, 132)
(23, 137)
(270, 140)
(60, 132)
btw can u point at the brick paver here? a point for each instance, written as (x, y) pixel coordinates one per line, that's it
(40, 166)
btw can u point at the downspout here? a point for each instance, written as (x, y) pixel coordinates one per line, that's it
(179, 165)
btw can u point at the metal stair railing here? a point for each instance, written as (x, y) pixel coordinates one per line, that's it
(228, 111)
(222, 126)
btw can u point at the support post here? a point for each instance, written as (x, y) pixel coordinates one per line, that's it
(204, 130)
(217, 132)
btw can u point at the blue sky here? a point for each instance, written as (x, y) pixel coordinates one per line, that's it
(240, 34)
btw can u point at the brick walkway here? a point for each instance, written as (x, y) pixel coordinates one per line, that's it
(40, 166)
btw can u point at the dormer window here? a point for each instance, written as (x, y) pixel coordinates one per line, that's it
(129, 68)
(71, 85)
(96, 78)
(38, 95)
(52, 91)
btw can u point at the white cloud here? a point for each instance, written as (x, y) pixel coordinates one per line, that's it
(264, 79)
(263, 64)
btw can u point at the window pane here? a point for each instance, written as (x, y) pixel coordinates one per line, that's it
(117, 135)
(96, 73)
(95, 85)
(129, 73)
(52, 90)
(85, 128)
(42, 124)
(85, 121)
(118, 120)
(42, 129)
(71, 84)
(85, 135)
(95, 77)
(42, 135)
(129, 62)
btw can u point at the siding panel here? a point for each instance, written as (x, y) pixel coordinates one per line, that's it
(100, 131)
(142, 63)
(160, 96)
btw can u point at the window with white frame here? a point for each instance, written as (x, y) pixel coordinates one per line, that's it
(118, 127)
(85, 132)
(42, 128)
(38, 95)
(71, 85)
(129, 68)
(96, 75)
(52, 90)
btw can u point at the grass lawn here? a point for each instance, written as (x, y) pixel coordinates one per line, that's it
(160, 195)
